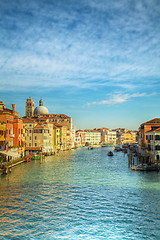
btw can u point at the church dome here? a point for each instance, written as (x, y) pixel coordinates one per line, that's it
(40, 109)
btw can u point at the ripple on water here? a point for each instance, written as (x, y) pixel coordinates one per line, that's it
(80, 195)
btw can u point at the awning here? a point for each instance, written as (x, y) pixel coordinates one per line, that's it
(33, 148)
(10, 153)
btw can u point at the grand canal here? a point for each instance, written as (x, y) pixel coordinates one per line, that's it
(80, 194)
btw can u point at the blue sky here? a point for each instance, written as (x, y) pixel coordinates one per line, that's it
(97, 61)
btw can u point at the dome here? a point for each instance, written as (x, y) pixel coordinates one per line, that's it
(40, 109)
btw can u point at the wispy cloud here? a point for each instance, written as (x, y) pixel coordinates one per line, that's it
(80, 45)
(118, 98)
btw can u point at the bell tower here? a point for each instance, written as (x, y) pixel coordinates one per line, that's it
(29, 107)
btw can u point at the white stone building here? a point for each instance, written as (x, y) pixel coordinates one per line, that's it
(92, 137)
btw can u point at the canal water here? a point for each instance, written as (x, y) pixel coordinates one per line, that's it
(80, 194)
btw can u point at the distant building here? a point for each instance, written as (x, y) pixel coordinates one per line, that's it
(107, 136)
(125, 136)
(92, 137)
(80, 138)
(29, 107)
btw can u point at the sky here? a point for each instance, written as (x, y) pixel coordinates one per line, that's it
(97, 61)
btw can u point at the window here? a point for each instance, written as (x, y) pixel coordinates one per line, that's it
(35, 144)
(29, 144)
(157, 147)
(157, 137)
(35, 137)
(30, 138)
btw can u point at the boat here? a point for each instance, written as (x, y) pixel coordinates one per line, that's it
(118, 149)
(145, 167)
(124, 150)
(90, 148)
(110, 153)
(37, 157)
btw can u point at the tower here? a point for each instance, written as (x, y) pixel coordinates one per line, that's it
(29, 107)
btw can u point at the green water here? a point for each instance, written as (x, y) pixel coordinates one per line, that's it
(80, 194)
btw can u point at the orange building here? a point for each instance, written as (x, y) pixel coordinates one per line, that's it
(145, 127)
(19, 132)
(14, 126)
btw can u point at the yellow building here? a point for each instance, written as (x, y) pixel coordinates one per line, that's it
(56, 138)
(39, 136)
(63, 136)
(126, 137)
(2, 133)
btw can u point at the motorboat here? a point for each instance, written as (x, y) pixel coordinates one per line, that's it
(118, 149)
(145, 167)
(90, 148)
(110, 153)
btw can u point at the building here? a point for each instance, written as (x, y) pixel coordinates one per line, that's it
(2, 134)
(29, 107)
(63, 136)
(145, 127)
(125, 136)
(107, 136)
(63, 130)
(38, 136)
(135, 136)
(56, 138)
(153, 145)
(14, 133)
(19, 132)
(41, 114)
(92, 137)
(80, 138)
(73, 135)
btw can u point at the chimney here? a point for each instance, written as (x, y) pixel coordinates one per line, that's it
(13, 107)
